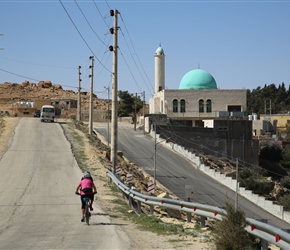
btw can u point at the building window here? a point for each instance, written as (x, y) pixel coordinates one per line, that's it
(208, 106)
(201, 106)
(175, 106)
(161, 108)
(233, 108)
(182, 106)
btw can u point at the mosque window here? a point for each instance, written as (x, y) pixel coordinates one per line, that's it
(208, 106)
(201, 106)
(234, 108)
(182, 106)
(175, 106)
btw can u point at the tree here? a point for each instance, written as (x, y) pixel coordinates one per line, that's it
(127, 104)
(287, 131)
(230, 233)
(259, 99)
(271, 153)
(286, 153)
(270, 158)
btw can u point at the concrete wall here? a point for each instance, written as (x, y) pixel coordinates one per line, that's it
(282, 119)
(260, 201)
(233, 143)
(98, 115)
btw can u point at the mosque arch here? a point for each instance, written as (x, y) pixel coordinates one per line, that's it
(175, 106)
(182, 106)
(201, 106)
(208, 106)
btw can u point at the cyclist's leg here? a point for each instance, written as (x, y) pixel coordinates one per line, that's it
(83, 209)
(91, 201)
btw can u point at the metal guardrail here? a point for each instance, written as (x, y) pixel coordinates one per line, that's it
(261, 230)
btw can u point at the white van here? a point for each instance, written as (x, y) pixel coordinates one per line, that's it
(47, 113)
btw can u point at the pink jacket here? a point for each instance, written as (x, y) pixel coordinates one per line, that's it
(86, 186)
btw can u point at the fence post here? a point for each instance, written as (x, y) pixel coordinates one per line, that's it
(138, 203)
(169, 214)
(151, 209)
(188, 213)
(130, 198)
(264, 243)
(123, 194)
(202, 221)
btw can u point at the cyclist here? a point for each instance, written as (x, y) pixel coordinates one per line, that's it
(87, 188)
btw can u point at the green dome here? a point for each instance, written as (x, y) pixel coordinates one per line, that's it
(159, 50)
(197, 79)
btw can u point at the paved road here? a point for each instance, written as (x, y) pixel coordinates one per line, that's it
(38, 207)
(174, 172)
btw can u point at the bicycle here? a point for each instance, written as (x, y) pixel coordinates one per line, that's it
(87, 207)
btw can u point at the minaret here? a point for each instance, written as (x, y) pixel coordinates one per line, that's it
(159, 69)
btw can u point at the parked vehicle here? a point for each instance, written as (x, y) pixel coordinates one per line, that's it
(37, 113)
(47, 113)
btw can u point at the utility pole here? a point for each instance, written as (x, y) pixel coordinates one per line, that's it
(91, 96)
(79, 96)
(114, 130)
(155, 149)
(237, 184)
(135, 112)
(266, 107)
(144, 112)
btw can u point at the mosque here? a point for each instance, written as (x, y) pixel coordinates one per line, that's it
(198, 99)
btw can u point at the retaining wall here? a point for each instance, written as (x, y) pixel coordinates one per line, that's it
(269, 206)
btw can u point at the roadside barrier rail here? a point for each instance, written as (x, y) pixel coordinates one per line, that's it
(265, 232)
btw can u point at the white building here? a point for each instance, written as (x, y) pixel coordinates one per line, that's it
(197, 99)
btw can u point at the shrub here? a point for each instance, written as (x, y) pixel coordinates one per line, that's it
(274, 168)
(271, 153)
(284, 201)
(230, 233)
(244, 174)
(285, 182)
(258, 186)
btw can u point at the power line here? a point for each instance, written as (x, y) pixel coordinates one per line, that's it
(83, 37)
(37, 64)
(129, 69)
(162, 130)
(26, 77)
(152, 88)
(101, 13)
(20, 75)
(90, 25)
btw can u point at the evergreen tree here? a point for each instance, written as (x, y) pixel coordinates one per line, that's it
(127, 104)
(230, 233)
(269, 99)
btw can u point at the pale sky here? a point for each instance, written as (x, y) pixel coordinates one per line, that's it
(243, 44)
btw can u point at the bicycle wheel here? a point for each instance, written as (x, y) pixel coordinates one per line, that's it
(87, 213)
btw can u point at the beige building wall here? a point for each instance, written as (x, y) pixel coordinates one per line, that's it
(221, 101)
(98, 116)
(282, 120)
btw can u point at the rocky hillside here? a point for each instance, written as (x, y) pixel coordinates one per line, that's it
(30, 92)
